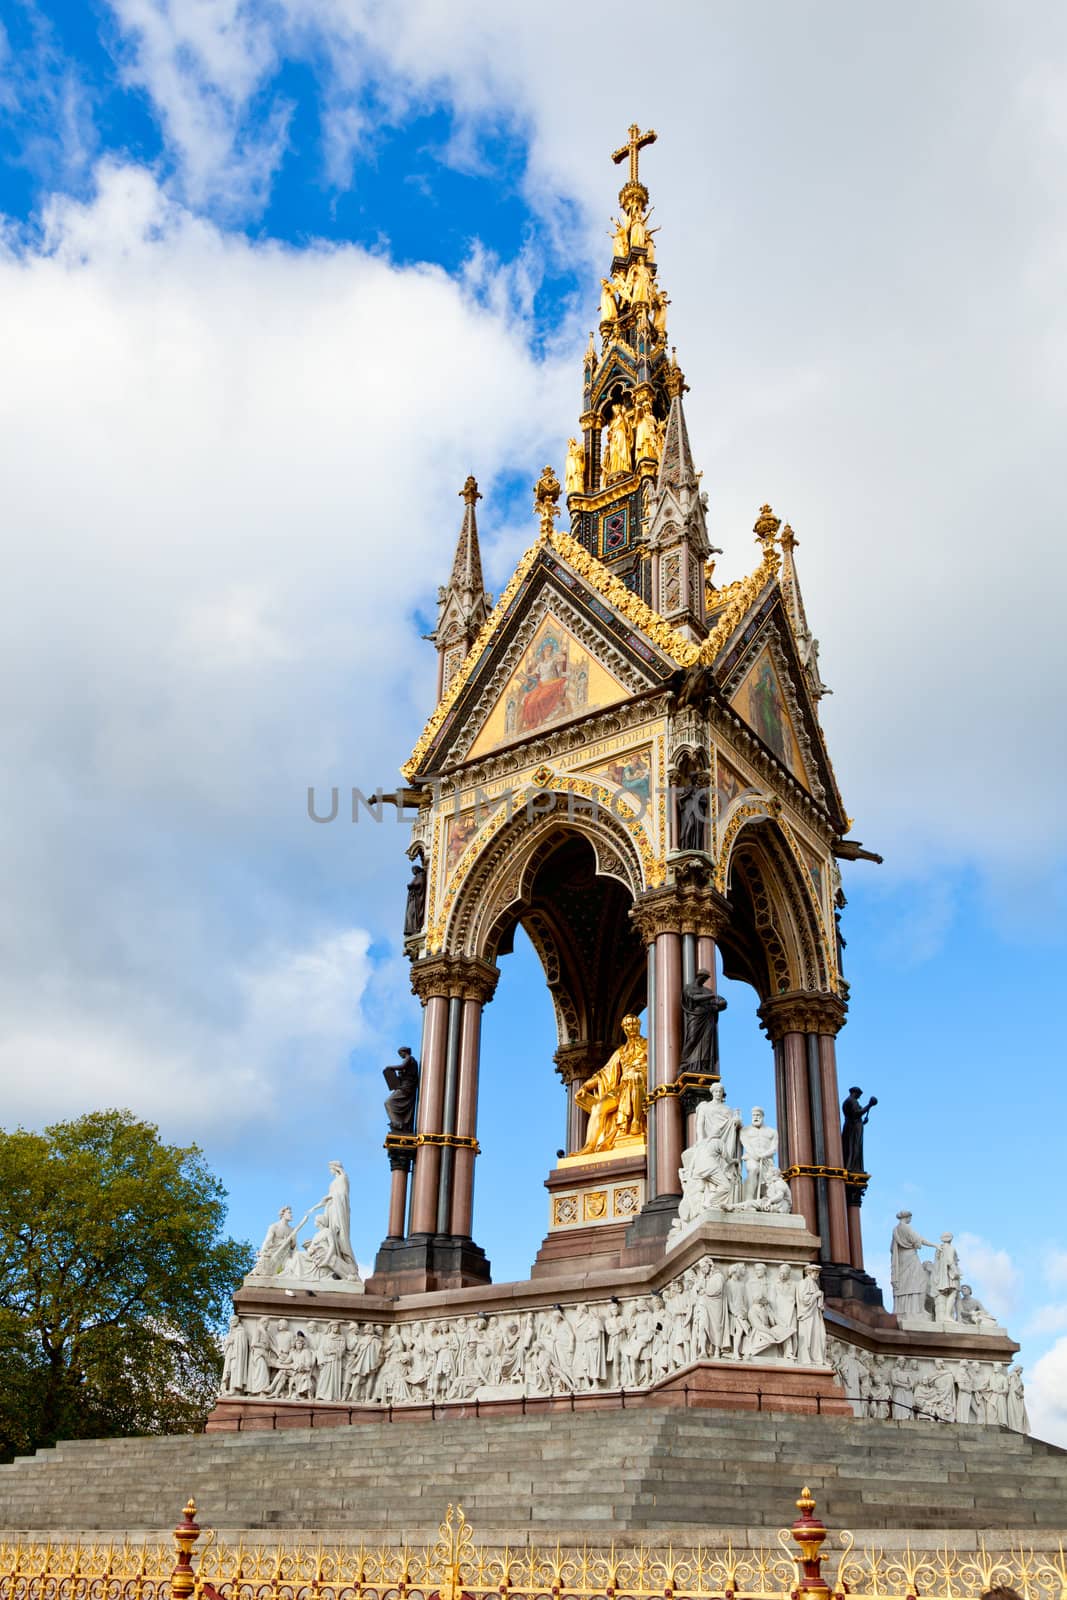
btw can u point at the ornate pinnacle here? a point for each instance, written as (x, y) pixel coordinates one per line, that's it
(675, 377)
(469, 490)
(789, 540)
(766, 528)
(546, 500)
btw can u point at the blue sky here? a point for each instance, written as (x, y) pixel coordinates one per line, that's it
(273, 280)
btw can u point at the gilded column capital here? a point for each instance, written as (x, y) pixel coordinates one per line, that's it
(802, 1011)
(681, 908)
(577, 1062)
(454, 977)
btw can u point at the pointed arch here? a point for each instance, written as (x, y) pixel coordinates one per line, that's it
(777, 940)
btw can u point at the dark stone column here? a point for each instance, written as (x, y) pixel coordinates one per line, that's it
(433, 1255)
(804, 1027)
(678, 926)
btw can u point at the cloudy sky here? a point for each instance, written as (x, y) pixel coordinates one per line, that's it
(273, 279)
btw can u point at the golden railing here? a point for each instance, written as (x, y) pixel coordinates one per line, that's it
(455, 1568)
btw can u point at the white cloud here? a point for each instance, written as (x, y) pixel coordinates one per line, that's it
(991, 1273)
(293, 1018)
(1046, 1320)
(1046, 1395)
(871, 328)
(229, 474)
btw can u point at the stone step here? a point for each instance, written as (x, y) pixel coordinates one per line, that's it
(519, 1477)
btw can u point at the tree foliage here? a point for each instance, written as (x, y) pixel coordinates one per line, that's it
(115, 1275)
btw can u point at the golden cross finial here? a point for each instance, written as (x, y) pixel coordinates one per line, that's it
(636, 141)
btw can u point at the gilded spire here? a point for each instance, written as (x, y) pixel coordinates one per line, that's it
(676, 469)
(807, 644)
(467, 566)
(462, 603)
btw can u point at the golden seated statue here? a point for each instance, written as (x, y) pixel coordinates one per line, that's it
(615, 1096)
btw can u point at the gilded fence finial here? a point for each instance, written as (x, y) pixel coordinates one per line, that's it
(809, 1533)
(182, 1579)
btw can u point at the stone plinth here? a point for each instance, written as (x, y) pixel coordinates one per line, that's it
(592, 1200)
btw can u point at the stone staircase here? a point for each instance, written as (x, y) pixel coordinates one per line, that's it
(590, 1477)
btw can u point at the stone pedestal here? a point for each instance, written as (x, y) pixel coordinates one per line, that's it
(592, 1201)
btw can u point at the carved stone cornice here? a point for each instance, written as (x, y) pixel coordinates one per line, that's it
(689, 907)
(802, 1011)
(454, 977)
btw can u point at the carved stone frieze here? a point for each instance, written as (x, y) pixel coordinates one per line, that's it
(934, 1388)
(736, 1310)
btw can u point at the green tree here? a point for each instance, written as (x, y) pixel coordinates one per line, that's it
(115, 1278)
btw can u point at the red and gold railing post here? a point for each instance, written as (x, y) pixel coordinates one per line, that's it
(183, 1579)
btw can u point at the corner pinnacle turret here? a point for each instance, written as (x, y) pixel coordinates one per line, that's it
(462, 604)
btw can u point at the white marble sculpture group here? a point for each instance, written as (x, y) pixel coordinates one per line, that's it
(328, 1254)
(713, 1182)
(933, 1291)
(726, 1309)
(933, 1388)
(740, 1311)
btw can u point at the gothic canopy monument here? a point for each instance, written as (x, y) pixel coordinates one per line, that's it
(626, 760)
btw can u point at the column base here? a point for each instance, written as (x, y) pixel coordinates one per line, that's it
(428, 1261)
(840, 1281)
(646, 1237)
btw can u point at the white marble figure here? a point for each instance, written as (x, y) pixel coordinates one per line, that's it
(946, 1280)
(783, 1298)
(903, 1391)
(709, 1181)
(282, 1340)
(811, 1324)
(235, 1358)
(338, 1217)
(972, 1311)
(279, 1246)
(907, 1276)
(716, 1120)
(708, 1326)
(1017, 1414)
(880, 1388)
(759, 1145)
(332, 1354)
